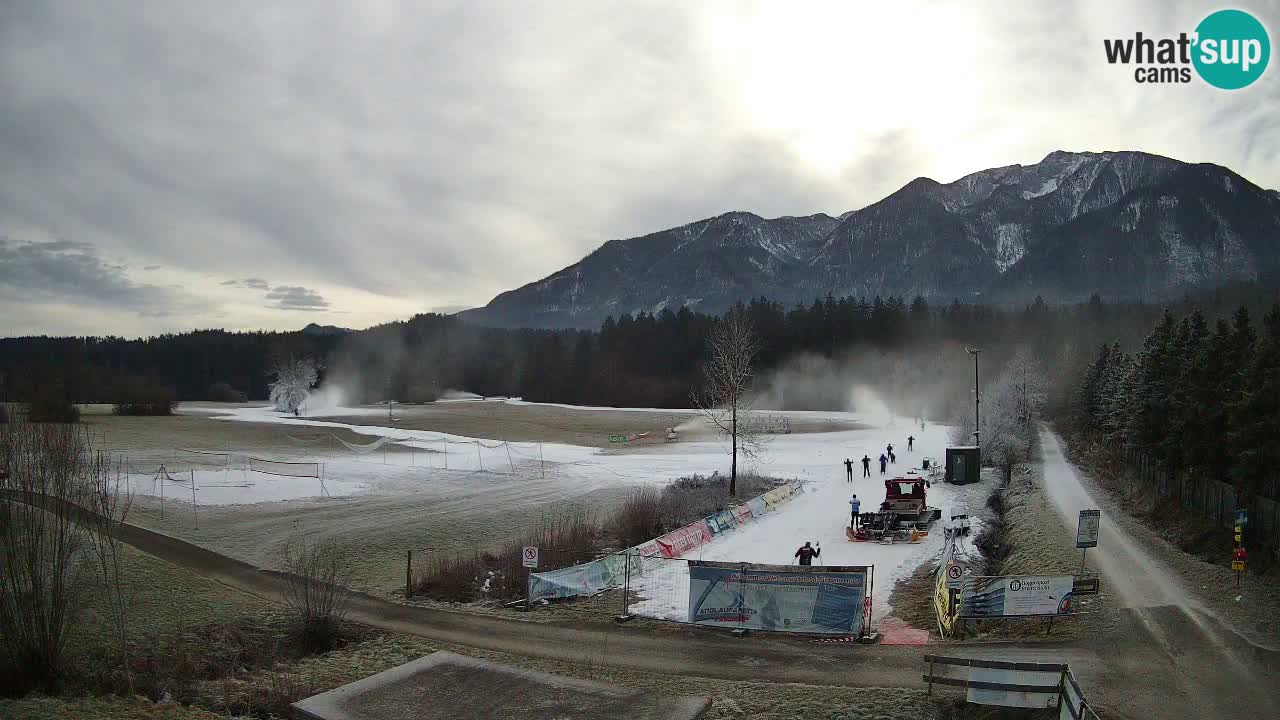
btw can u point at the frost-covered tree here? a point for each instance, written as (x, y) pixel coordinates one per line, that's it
(1010, 406)
(293, 382)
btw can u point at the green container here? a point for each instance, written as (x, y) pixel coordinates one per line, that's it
(964, 465)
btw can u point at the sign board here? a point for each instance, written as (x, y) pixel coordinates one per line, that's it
(1016, 596)
(1085, 586)
(529, 557)
(781, 598)
(617, 438)
(1087, 530)
(1242, 517)
(1237, 565)
(954, 574)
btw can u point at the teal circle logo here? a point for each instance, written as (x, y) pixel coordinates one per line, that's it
(1232, 49)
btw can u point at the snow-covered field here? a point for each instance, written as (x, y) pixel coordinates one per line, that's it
(821, 514)
(416, 460)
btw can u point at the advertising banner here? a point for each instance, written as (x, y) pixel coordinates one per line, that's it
(1016, 596)
(586, 579)
(742, 514)
(944, 604)
(783, 598)
(721, 521)
(678, 542)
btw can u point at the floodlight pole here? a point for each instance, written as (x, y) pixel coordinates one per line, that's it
(977, 399)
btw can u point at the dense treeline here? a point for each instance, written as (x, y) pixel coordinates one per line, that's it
(1198, 395)
(649, 359)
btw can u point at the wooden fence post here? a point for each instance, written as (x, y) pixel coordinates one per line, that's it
(408, 575)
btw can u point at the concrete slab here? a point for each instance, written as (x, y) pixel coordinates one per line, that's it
(446, 686)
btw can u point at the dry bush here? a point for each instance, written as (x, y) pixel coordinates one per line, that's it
(42, 554)
(223, 392)
(317, 573)
(565, 538)
(692, 498)
(639, 518)
(135, 396)
(49, 403)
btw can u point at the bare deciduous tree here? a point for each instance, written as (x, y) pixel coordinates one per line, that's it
(727, 378)
(111, 499)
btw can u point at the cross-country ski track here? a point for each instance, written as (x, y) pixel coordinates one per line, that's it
(1165, 661)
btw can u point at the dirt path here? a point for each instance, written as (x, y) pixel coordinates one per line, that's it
(1214, 669)
(1130, 675)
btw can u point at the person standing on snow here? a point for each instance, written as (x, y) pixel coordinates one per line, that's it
(911, 441)
(883, 461)
(866, 466)
(848, 470)
(889, 449)
(807, 553)
(854, 505)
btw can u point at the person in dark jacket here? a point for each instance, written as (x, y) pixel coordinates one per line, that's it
(807, 553)
(883, 462)
(855, 506)
(911, 441)
(848, 470)
(866, 466)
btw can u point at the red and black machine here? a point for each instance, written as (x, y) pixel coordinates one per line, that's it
(904, 514)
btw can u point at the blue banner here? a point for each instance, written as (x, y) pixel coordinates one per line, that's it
(783, 598)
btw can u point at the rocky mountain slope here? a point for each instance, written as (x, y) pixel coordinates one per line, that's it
(1123, 224)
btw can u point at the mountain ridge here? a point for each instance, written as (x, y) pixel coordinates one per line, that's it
(1161, 227)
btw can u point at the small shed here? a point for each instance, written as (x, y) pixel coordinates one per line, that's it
(964, 464)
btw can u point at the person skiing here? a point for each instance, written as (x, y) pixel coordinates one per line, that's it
(854, 505)
(848, 470)
(866, 466)
(911, 441)
(889, 449)
(807, 553)
(883, 461)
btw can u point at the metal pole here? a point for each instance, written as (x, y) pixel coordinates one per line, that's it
(977, 399)
(478, 457)
(542, 462)
(509, 462)
(1083, 552)
(161, 474)
(626, 584)
(445, 444)
(195, 518)
(408, 575)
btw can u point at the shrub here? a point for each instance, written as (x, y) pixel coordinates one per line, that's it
(566, 538)
(640, 517)
(49, 403)
(135, 396)
(43, 555)
(223, 392)
(317, 573)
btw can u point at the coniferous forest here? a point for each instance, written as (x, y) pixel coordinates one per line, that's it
(1205, 364)
(1197, 395)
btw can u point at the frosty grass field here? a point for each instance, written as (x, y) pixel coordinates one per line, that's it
(416, 459)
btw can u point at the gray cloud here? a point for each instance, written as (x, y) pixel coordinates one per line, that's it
(251, 283)
(288, 297)
(415, 155)
(61, 271)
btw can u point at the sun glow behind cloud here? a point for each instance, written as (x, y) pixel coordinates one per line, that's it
(834, 79)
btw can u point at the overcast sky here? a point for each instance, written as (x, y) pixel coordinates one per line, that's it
(169, 165)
